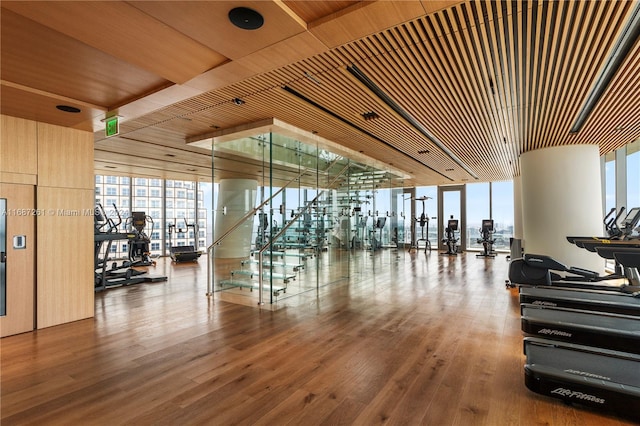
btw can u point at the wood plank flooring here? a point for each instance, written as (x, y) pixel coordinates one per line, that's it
(410, 339)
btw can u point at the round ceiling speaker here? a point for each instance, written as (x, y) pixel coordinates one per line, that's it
(245, 18)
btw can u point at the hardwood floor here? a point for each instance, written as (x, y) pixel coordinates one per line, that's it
(410, 339)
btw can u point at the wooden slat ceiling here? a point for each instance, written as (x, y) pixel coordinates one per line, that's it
(489, 80)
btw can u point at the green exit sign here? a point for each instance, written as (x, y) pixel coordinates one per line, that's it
(111, 126)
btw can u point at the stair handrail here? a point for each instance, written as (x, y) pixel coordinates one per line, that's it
(210, 263)
(284, 229)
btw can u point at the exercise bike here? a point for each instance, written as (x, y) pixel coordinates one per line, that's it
(450, 240)
(486, 231)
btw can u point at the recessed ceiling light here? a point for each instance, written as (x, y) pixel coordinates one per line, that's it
(68, 108)
(238, 101)
(245, 18)
(370, 115)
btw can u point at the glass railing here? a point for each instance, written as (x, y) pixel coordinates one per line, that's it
(302, 217)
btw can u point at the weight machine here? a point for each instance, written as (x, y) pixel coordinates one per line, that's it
(423, 221)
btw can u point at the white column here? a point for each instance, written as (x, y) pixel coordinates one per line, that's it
(236, 197)
(517, 207)
(561, 196)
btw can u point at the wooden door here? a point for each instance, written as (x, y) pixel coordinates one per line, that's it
(19, 219)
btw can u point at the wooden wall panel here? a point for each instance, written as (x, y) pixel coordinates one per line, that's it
(65, 255)
(65, 157)
(20, 263)
(18, 147)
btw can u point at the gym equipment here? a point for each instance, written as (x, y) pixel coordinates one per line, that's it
(262, 237)
(600, 378)
(590, 300)
(423, 221)
(139, 241)
(376, 244)
(450, 240)
(536, 270)
(610, 222)
(183, 253)
(590, 328)
(106, 231)
(621, 232)
(486, 231)
(357, 241)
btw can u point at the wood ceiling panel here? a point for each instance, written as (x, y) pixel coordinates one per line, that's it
(38, 57)
(41, 106)
(205, 21)
(312, 10)
(124, 32)
(490, 80)
(362, 19)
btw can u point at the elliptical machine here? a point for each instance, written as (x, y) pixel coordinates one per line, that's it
(139, 241)
(450, 240)
(486, 232)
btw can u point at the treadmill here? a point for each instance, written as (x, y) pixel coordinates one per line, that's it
(590, 328)
(588, 299)
(616, 229)
(600, 378)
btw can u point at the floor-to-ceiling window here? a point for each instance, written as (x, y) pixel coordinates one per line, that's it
(120, 196)
(610, 182)
(633, 174)
(478, 208)
(502, 210)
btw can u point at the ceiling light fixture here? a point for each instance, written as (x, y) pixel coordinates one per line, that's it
(238, 101)
(360, 76)
(370, 115)
(312, 78)
(68, 108)
(621, 49)
(245, 18)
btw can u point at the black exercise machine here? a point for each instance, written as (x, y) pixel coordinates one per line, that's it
(486, 232)
(423, 221)
(262, 236)
(616, 230)
(376, 243)
(450, 237)
(113, 274)
(580, 374)
(139, 240)
(186, 253)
